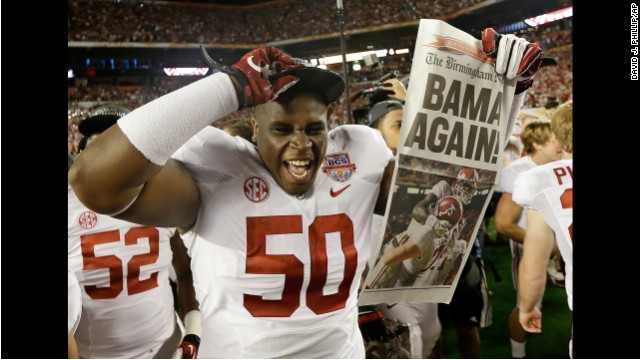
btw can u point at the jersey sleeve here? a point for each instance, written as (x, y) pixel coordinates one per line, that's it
(507, 178)
(367, 149)
(521, 193)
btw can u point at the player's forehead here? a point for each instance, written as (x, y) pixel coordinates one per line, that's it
(302, 109)
(393, 115)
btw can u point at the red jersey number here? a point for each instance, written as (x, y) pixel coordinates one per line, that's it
(258, 262)
(566, 200)
(114, 264)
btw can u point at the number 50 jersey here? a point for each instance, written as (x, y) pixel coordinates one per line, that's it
(123, 272)
(277, 275)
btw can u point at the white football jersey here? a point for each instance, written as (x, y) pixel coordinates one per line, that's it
(508, 177)
(277, 275)
(549, 189)
(74, 302)
(123, 272)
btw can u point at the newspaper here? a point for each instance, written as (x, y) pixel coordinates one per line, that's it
(451, 142)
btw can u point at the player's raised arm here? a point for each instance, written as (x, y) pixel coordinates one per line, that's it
(516, 58)
(127, 173)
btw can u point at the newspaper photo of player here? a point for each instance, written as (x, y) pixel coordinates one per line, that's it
(440, 207)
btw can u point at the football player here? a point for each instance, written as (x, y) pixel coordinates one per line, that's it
(123, 271)
(541, 147)
(74, 309)
(417, 250)
(546, 192)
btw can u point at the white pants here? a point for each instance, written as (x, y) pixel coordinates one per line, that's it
(423, 320)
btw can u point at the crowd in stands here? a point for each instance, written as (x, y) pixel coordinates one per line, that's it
(149, 21)
(553, 81)
(152, 21)
(552, 35)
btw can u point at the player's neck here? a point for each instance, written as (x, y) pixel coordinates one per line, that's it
(538, 158)
(567, 155)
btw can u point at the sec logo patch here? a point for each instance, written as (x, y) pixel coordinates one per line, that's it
(256, 189)
(88, 219)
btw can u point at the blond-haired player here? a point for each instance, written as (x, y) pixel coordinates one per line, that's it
(541, 147)
(547, 194)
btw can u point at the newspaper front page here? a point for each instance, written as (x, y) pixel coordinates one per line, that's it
(449, 152)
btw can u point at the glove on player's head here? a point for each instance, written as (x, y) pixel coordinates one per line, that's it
(264, 73)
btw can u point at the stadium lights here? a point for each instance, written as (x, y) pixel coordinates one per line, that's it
(337, 59)
(549, 17)
(189, 71)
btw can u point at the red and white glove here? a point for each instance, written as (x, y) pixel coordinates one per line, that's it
(188, 348)
(516, 58)
(255, 73)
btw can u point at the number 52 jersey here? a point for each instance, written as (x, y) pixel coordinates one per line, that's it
(549, 189)
(123, 272)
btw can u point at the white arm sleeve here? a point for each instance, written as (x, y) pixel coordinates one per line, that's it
(160, 127)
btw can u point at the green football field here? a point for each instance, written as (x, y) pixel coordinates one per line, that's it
(552, 343)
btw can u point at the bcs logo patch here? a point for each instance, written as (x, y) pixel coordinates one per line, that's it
(88, 219)
(339, 166)
(256, 189)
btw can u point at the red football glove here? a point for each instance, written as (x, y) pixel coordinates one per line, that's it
(254, 72)
(188, 348)
(515, 57)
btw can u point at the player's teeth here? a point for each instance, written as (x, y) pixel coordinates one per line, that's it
(299, 175)
(298, 162)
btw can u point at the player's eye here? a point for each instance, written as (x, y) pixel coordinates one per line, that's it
(315, 129)
(282, 129)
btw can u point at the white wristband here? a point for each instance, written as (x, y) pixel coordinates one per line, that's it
(192, 323)
(160, 127)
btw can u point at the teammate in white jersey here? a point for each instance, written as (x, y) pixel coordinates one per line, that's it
(74, 310)
(123, 272)
(74, 301)
(281, 229)
(541, 147)
(547, 194)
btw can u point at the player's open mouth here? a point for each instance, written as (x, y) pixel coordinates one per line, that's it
(299, 169)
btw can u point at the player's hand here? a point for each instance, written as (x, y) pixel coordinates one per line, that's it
(188, 348)
(516, 58)
(531, 321)
(396, 89)
(441, 227)
(254, 74)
